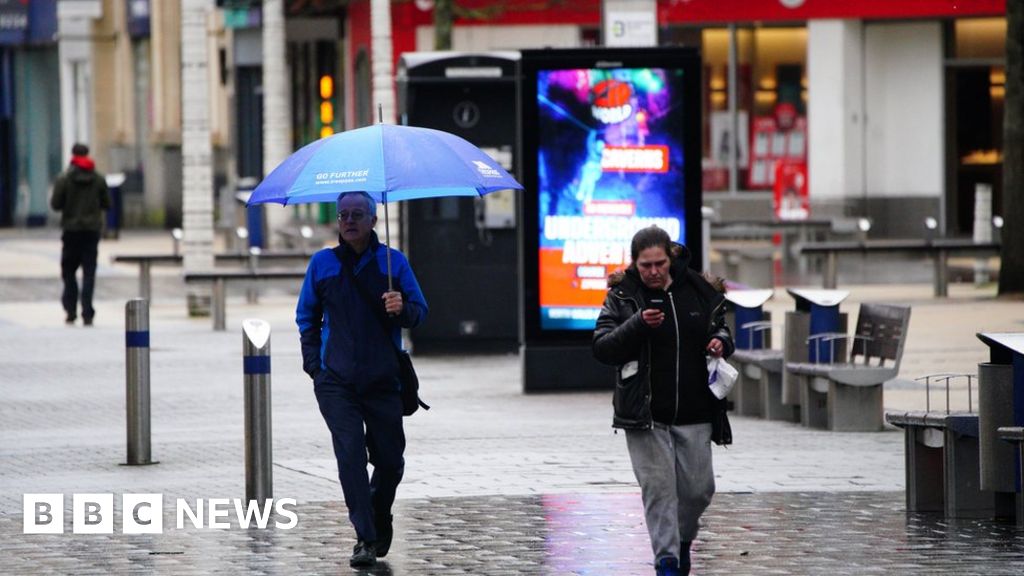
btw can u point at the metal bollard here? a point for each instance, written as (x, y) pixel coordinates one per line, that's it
(136, 337)
(259, 477)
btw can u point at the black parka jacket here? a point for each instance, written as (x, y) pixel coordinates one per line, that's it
(621, 340)
(81, 196)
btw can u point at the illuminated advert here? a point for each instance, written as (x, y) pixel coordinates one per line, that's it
(609, 162)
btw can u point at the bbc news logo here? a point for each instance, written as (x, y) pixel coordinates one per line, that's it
(144, 513)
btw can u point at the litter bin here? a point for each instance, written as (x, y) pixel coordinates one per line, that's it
(1000, 403)
(115, 214)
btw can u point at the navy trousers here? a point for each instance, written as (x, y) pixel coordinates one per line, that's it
(366, 426)
(79, 250)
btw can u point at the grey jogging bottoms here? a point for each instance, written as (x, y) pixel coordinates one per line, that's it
(673, 466)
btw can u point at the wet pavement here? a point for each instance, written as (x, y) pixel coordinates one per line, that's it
(497, 482)
(801, 533)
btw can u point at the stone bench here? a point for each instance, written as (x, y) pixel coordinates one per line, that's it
(146, 262)
(220, 278)
(942, 462)
(939, 249)
(847, 395)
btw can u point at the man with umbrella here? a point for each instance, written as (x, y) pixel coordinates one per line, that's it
(347, 311)
(346, 315)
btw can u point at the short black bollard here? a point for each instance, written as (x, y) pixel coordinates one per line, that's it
(259, 477)
(136, 338)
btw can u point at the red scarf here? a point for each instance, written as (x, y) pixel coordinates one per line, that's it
(83, 162)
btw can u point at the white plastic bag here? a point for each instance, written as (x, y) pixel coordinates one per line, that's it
(721, 377)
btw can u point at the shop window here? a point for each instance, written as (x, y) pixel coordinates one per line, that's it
(771, 103)
(976, 87)
(980, 38)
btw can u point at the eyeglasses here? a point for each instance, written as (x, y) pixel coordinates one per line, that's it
(354, 216)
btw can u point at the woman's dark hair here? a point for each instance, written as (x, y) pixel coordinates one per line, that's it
(648, 238)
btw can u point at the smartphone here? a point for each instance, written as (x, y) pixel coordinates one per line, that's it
(658, 303)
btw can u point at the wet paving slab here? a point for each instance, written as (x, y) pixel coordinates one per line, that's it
(802, 533)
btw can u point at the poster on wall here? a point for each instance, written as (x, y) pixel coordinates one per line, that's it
(721, 125)
(779, 138)
(610, 159)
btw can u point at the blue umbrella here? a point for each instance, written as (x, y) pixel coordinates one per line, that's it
(388, 162)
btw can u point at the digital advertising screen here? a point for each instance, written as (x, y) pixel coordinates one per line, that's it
(608, 150)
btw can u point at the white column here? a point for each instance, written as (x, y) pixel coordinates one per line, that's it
(904, 102)
(277, 127)
(74, 30)
(835, 77)
(381, 58)
(383, 85)
(196, 149)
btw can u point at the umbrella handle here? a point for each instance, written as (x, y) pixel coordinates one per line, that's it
(387, 238)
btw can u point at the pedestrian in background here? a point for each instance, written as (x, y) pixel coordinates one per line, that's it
(346, 316)
(80, 194)
(659, 321)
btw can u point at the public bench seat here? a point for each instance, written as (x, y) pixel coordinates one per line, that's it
(751, 326)
(145, 263)
(942, 460)
(221, 277)
(938, 248)
(847, 395)
(764, 367)
(764, 359)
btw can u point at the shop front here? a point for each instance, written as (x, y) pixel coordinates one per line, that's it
(975, 88)
(29, 110)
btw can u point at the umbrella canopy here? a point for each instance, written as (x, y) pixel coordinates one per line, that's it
(388, 162)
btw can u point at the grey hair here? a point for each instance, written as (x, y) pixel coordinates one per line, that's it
(371, 204)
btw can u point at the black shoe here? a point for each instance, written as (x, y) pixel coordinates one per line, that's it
(385, 532)
(69, 320)
(363, 555)
(86, 321)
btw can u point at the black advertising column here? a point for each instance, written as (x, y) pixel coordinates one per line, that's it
(610, 144)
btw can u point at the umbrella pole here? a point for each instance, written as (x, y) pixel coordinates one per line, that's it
(387, 238)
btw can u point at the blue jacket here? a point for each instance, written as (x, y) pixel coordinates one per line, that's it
(338, 331)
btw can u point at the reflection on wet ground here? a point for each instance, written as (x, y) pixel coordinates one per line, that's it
(584, 534)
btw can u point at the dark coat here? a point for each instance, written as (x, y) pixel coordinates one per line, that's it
(81, 196)
(621, 340)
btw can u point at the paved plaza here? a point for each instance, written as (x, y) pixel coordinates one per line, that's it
(497, 482)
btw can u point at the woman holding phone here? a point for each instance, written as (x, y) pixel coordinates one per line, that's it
(659, 321)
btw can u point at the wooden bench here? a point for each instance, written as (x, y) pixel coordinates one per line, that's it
(147, 261)
(847, 396)
(220, 278)
(939, 249)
